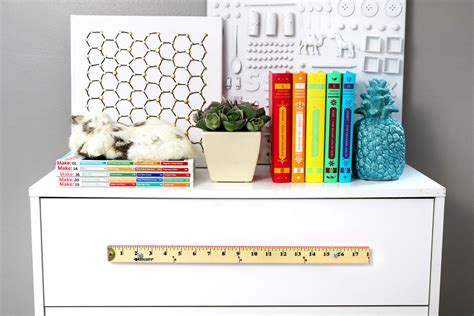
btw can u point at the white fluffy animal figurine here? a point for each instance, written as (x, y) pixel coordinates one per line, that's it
(97, 136)
(92, 136)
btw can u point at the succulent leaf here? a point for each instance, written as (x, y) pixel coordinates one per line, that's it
(235, 114)
(211, 111)
(265, 118)
(260, 112)
(201, 124)
(255, 124)
(224, 117)
(234, 126)
(197, 116)
(214, 104)
(212, 121)
(248, 111)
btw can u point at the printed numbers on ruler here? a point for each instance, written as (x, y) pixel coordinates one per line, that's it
(239, 254)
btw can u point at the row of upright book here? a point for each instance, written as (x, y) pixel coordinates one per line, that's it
(312, 126)
(73, 170)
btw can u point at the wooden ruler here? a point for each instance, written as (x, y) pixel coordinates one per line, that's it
(239, 254)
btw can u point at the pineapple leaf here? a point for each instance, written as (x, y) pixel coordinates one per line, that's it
(388, 110)
(377, 100)
(361, 111)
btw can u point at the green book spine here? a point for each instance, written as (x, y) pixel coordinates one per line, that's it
(176, 180)
(123, 174)
(333, 114)
(120, 163)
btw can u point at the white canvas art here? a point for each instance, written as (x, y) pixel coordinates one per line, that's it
(142, 67)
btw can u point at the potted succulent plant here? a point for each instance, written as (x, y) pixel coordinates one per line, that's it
(231, 139)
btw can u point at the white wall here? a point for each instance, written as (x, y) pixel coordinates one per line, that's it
(35, 102)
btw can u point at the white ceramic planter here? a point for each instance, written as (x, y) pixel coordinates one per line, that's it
(231, 156)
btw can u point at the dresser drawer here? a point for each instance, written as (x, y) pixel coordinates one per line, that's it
(76, 232)
(235, 311)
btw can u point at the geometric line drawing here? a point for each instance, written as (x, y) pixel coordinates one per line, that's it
(136, 79)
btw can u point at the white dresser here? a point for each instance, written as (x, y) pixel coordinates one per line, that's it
(401, 221)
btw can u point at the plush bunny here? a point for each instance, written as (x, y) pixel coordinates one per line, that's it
(98, 136)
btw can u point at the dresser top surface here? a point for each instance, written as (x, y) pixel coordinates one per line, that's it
(412, 184)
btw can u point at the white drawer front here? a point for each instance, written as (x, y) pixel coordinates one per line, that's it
(233, 311)
(76, 232)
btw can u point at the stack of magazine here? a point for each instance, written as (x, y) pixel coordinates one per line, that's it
(74, 170)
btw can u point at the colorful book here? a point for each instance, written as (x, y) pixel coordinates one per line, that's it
(163, 179)
(105, 168)
(87, 182)
(84, 180)
(299, 127)
(72, 159)
(125, 184)
(118, 178)
(165, 185)
(75, 171)
(67, 173)
(84, 184)
(280, 100)
(331, 142)
(315, 121)
(347, 126)
(150, 174)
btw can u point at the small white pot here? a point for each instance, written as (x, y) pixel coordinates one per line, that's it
(231, 156)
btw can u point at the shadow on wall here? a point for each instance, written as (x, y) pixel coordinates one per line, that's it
(437, 116)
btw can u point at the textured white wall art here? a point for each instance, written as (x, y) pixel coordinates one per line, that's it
(138, 68)
(362, 36)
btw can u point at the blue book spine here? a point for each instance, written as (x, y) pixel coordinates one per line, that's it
(347, 126)
(148, 179)
(147, 174)
(93, 162)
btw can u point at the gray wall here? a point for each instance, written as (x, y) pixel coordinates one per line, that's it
(438, 117)
(35, 102)
(1, 169)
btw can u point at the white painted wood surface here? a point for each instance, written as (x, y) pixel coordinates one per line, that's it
(37, 255)
(436, 254)
(76, 232)
(411, 184)
(382, 215)
(247, 311)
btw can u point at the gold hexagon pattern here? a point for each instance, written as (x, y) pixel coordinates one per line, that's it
(136, 78)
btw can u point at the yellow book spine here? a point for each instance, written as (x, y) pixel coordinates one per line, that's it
(315, 120)
(299, 130)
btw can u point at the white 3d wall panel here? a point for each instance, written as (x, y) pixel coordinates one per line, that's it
(139, 68)
(362, 36)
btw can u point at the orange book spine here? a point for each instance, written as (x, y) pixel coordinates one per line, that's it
(299, 127)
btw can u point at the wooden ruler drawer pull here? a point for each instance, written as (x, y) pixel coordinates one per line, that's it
(238, 254)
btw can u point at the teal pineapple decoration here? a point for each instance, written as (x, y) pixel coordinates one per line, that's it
(379, 140)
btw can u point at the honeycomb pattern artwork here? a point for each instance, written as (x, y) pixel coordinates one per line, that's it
(153, 76)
